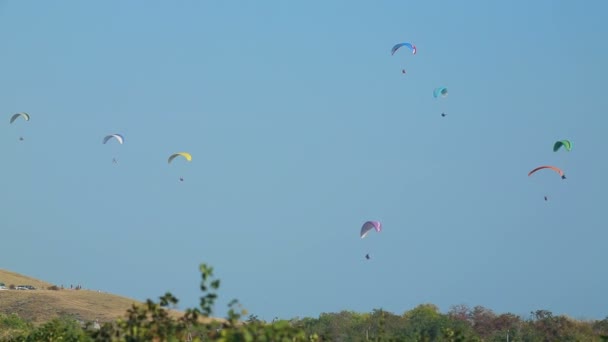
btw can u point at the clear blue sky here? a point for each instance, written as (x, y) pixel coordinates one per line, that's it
(302, 127)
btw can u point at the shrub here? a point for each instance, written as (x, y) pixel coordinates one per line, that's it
(59, 329)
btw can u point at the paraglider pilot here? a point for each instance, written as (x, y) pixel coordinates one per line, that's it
(367, 256)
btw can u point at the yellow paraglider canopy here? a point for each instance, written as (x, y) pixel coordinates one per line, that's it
(183, 154)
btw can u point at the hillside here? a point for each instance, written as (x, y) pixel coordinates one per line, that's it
(8, 277)
(42, 305)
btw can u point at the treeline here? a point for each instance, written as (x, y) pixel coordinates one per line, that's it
(461, 323)
(151, 321)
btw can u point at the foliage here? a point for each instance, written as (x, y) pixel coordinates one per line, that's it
(60, 329)
(153, 321)
(13, 327)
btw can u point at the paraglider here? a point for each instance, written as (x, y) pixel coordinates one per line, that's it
(117, 137)
(186, 156)
(23, 115)
(553, 168)
(562, 143)
(559, 171)
(407, 45)
(443, 91)
(368, 226)
(410, 46)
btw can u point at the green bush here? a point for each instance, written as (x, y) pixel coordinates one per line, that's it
(60, 329)
(13, 327)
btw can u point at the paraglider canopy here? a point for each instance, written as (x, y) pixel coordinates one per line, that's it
(23, 115)
(368, 226)
(559, 171)
(183, 154)
(565, 143)
(407, 45)
(118, 138)
(443, 91)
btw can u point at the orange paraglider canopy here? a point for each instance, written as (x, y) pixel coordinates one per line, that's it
(558, 170)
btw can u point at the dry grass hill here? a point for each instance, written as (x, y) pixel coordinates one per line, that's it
(42, 304)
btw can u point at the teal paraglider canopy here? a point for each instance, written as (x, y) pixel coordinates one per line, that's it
(440, 91)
